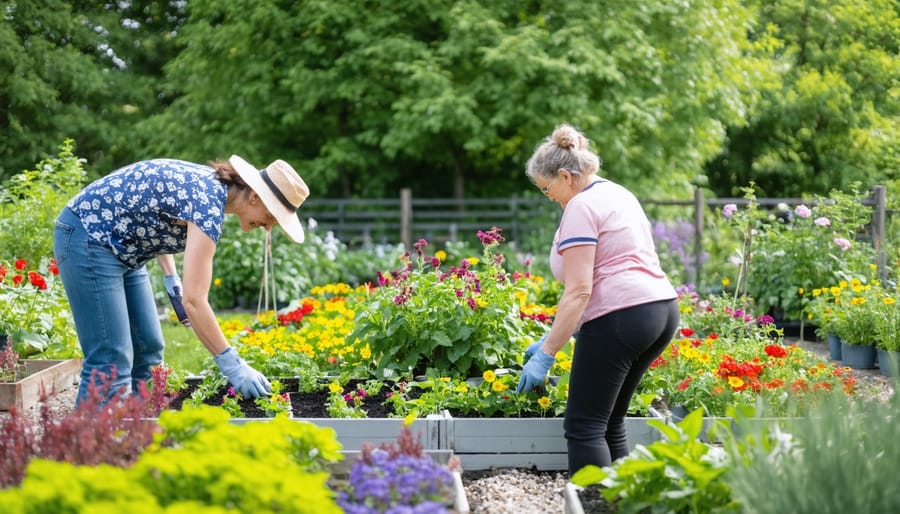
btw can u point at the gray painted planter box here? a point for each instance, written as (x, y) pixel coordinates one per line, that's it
(353, 432)
(484, 443)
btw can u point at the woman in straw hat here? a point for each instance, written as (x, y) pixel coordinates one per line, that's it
(153, 209)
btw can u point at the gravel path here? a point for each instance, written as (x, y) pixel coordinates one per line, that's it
(517, 491)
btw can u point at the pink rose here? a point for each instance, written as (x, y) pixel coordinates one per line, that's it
(728, 210)
(822, 221)
(843, 243)
(803, 211)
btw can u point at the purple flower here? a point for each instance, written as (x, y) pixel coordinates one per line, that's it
(803, 211)
(728, 210)
(822, 221)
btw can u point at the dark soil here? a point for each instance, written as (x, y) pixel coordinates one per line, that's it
(303, 404)
(593, 502)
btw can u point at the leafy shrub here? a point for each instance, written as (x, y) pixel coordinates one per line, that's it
(791, 251)
(460, 321)
(98, 431)
(676, 474)
(238, 266)
(198, 463)
(30, 202)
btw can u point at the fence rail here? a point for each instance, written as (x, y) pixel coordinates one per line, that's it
(361, 221)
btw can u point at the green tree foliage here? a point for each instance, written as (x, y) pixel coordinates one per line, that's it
(832, 116)
(369, 97)
(84, 70)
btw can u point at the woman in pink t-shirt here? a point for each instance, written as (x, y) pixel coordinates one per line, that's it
(617, 300)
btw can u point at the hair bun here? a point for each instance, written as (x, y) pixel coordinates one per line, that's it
(565, 137)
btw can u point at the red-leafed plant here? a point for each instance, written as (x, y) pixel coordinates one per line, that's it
(101, 430)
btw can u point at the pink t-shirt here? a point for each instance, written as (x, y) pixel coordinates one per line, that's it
(626, 266)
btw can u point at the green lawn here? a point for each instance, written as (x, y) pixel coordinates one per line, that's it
(184, 351)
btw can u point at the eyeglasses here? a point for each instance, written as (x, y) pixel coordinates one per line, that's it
(546, 189)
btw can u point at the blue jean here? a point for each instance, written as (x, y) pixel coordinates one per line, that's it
(612, 353)
(113, 307)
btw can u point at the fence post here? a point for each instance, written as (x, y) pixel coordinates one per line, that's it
(879, 197)
(699, 211)
(406, 217)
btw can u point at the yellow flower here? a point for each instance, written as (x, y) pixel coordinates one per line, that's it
(440, 254)
(499, 387)
(335, 388)
(889, 301)
(544, 402)
(472, 260)
(366, 352)
(217, 282)
(726, 281)
(800, 291)
(489, 376)
(735, 382)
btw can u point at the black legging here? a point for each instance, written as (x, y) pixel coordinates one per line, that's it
(612, 353)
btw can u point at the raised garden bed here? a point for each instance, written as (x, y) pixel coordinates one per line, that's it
(48, 375)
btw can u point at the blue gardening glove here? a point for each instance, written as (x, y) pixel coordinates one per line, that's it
(173, 285)
(535, 371)
(533, 347)
(245, 379)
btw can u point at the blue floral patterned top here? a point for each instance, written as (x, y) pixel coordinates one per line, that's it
(139, 211)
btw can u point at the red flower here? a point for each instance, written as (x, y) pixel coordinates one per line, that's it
(685, 383)
(775, 350)
(37, 280)
(53, 268)
(686, 332)
(2, 273)
(20, 264)
(18, 279)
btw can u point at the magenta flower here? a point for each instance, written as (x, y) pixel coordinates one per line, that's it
(765, 319)
(419, 245)
(728, 210)
(822, 221)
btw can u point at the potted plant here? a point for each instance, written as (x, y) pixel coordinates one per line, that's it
(821, 311)
(855, 321)
(887, 334)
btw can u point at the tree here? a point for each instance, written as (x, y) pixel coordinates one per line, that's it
(832, 115)
(367, 97)
(80, 70)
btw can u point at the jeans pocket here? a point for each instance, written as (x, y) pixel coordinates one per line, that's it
(61, 238)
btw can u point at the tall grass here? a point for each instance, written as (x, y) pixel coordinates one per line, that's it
(842, 458)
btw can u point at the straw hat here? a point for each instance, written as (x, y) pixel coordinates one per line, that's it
(281, 190)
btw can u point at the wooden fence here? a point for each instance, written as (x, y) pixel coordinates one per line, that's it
(360, 221)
